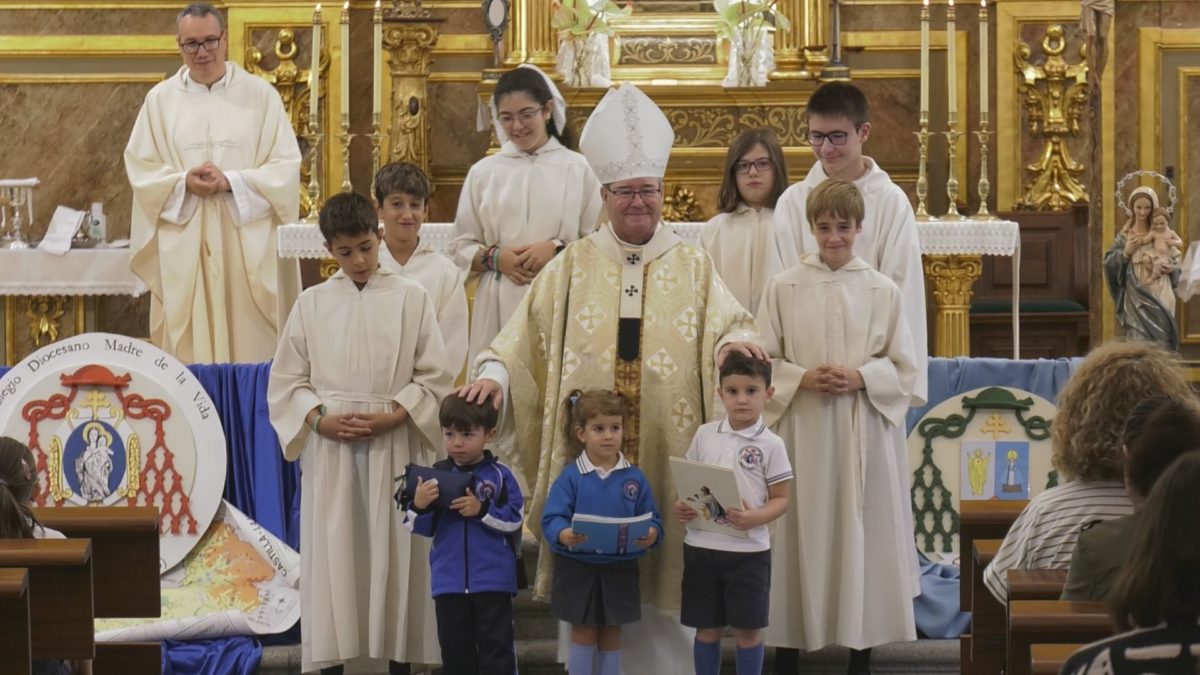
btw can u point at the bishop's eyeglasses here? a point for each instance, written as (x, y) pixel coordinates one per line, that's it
(627, 194)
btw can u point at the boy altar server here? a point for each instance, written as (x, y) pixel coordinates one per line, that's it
(844, 561)
(354, 394)
(838, 126)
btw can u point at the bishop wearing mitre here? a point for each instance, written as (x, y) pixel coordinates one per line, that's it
(632, 308)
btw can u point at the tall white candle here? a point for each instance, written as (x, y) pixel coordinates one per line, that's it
(314, 70)
(983, 57)
(377, 78)
(951, 61)
(924, 57)
(345, 59)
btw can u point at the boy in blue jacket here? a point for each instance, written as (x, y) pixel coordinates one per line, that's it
(473, 559)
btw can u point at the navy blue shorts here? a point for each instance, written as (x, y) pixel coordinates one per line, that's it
(725, 588)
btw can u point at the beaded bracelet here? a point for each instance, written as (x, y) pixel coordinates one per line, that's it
(496, 261)
(317, 420)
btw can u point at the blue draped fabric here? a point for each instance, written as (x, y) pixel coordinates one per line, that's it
(936, 609)
(258, 480)
(225, 656)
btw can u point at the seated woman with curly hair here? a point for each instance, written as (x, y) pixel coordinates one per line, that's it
(1086, 440)
(1157, 596)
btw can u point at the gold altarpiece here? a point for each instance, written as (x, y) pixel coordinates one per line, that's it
(54, 53)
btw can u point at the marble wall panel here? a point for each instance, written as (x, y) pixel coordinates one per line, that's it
(73, 136)
(454, 142)
(88, 21)
(124, 315)
(1190, 192)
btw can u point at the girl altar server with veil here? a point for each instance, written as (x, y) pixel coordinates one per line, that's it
(521, 206)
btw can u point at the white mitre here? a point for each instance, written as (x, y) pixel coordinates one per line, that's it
(626, 137)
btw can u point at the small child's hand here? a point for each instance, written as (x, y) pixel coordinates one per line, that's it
(745, 518)
(425, 494)
(569, 539)
(648, 540)
(468, 506)
(684, 513)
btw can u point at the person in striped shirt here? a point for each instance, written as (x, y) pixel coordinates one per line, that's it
(1086, 439)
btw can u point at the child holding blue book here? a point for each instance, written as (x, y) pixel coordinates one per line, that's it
(596, 593)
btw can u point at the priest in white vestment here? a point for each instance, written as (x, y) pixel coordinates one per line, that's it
(630, 307)
(837, 128)
(215, 169)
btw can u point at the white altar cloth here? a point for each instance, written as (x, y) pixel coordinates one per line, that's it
(98, 271)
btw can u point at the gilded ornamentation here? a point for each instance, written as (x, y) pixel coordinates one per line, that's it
(45, 313)
(1054, 95)
(406, 9)
(953, 278)
(291, 82)
(409, 46)
(788, 122)
(681, 206)
(329, 267)
(700, 127)
(655, 50)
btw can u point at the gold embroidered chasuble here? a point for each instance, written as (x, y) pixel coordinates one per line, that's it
(564, 335)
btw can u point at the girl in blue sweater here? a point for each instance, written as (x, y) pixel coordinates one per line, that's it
(596, 593)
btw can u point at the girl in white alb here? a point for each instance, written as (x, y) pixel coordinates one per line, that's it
(741, 239)
(521, 206)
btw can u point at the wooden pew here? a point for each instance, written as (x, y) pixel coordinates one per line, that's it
(60, 594)
(979, 520)
(128, 658)
(125, 557)
(1049, 659)
(987, 615)
(1036, 584)
(1051, 622)
(125, 561)
(14, 621)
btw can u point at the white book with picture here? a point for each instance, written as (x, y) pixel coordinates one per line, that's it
(711, 491)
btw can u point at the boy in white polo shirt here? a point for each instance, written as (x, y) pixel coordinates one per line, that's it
(727, 579)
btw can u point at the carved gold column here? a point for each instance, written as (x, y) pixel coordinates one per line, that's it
(408, 38)
(789, 44)
(953, 277)
(291, 82)
(816, 35)
(530, 39)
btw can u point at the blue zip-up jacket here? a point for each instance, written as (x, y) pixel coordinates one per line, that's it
(624, 493)
(475, 555)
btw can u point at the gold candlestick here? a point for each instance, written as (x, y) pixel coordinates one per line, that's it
(314, 184)
(923, 178)
(952, 133)
(344, 137)
(984, 184)
(376, 145)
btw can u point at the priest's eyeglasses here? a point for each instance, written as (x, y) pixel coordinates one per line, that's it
(763, 165)
(817, 139)
(627, 194)
(526, 116)
(209, 44)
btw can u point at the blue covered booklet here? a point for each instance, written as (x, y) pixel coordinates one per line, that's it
(609, 535)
